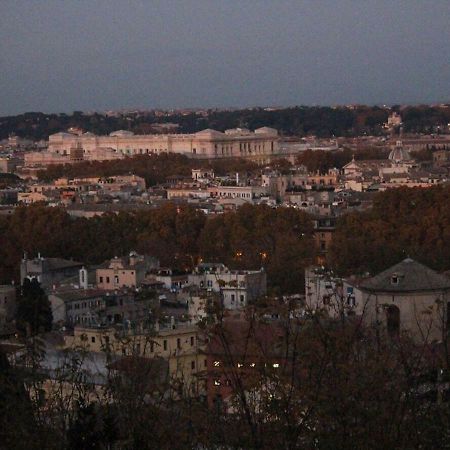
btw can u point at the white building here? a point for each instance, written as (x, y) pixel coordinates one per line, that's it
(237, 287)
(208, 143)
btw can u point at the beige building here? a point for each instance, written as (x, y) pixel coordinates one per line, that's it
(179, 345)
(72, 156)
(124, 272)
(258, 145)
(187, 192)
(247, 193)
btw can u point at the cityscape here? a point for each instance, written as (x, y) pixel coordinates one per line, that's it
(207, 276)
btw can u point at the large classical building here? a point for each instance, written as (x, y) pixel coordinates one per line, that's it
(204, 144)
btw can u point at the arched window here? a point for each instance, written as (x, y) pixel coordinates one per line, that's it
(393, 320)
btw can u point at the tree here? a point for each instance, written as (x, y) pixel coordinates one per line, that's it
(34, 314)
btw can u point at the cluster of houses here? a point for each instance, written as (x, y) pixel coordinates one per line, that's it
(129, 307)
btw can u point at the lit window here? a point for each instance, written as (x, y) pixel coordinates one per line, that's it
(216, 382)
(275, 365)
(239, 365)
(216, 363)
(252, 365)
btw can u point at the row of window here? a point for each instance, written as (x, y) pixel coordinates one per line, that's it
(241, 298)
(83, 305)
(235, 194)
(242, 365)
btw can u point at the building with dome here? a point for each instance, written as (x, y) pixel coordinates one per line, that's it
(407, 298)
(399, 154)
(71, 147)
(258, 145)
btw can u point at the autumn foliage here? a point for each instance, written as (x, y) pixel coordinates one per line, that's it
(403, 222)
(254, 236)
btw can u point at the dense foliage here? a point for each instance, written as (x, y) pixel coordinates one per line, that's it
(297, 121)
(336, 386)
(279, 239)
(34, 312)
(402, 222)
(154, 168)
(323, 160)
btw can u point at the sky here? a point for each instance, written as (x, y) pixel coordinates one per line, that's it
(61, 56)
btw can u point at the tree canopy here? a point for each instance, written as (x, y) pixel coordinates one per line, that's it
(179, 236)
(403, 222)
(34, 313)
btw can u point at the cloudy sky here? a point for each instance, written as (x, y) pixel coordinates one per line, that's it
(88, 55)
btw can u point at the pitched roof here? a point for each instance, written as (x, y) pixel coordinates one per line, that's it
(60, 263)
(407, 276)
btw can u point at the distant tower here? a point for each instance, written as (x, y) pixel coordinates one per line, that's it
(83, 278)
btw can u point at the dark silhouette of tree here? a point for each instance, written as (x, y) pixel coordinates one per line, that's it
(34, 314)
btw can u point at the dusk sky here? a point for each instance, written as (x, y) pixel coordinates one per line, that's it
(60, 56)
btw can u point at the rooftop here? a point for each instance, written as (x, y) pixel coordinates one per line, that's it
(407, 276)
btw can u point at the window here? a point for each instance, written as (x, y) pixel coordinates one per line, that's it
(205, 363)
(165, 344)
(216, 363)
(192, 365)
(107, 279)
(178, 343)
(275, 365)
(100, 279)
(106, 339)
(232, 298)
(93, 339)
(242, 298)
(217, 383)
(192, 341)
(394, 279)
(116, 279)
(152, 347)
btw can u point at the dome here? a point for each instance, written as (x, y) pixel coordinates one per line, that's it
(121, 133)
(208, 133)
(399, 154)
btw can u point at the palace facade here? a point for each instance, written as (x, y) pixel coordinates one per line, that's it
(208, 143)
